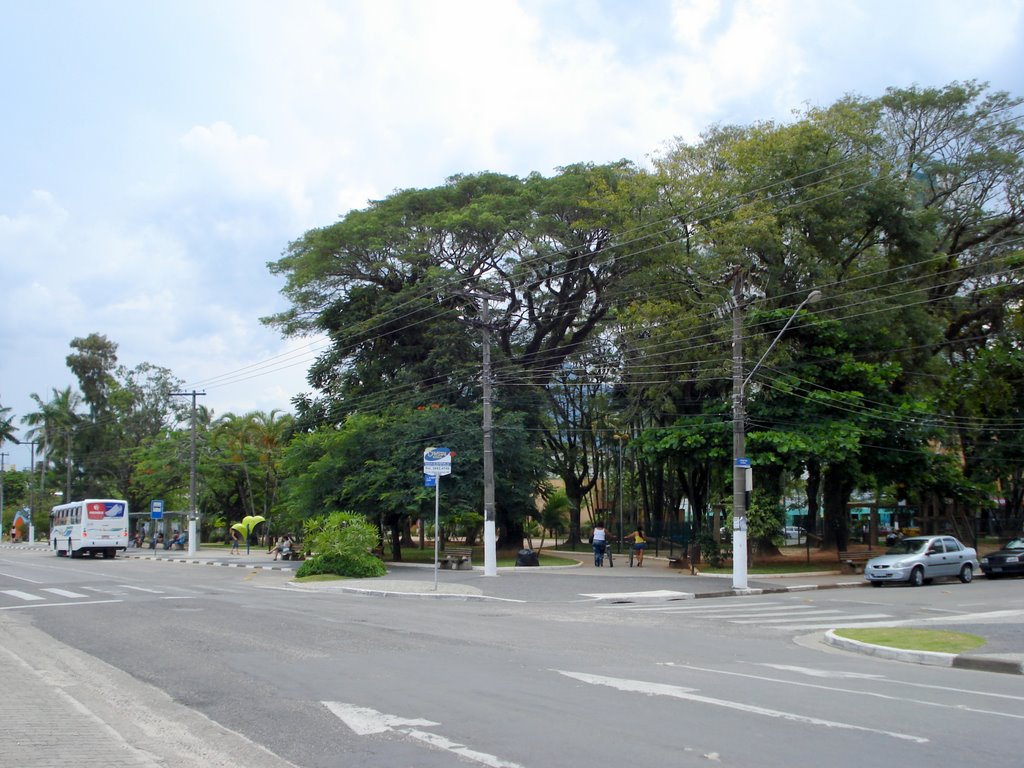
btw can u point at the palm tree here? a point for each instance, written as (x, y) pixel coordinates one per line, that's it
(6, 427)
(53, 425)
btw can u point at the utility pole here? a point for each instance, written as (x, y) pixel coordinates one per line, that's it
(192, 514)
(741, 469)
(490, 532)
(742, 472)
(2, 471)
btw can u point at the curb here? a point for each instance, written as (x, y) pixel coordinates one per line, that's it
(979, 663)
(192, 561)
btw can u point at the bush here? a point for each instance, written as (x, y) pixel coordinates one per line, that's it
(340, 533)
(353, 565)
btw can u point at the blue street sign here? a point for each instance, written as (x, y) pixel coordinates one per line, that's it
(156, 509)
(743, 462)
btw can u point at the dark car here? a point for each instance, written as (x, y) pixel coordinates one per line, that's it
(1008, 560)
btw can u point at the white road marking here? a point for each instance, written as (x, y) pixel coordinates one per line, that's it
(19, 578)
(63, 592)
(871, 694)
(22, 595)
(720, 610)
(142, 589)
(364, 721)
(797, 620)
(688, 694)
(56, 605)
(812, 672)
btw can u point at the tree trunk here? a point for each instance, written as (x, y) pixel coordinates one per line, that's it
(813, 488)
(837, 487)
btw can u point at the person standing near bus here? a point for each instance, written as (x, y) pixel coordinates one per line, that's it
(639, 544)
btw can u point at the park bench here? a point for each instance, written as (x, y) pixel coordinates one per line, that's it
(849, 561)
(457, 558)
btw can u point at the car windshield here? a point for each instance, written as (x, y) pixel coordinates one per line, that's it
(908, 547)
(1015, 544)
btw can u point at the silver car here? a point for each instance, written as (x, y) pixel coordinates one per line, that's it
(920, 559)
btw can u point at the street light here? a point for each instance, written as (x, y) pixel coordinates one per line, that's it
(742, 473)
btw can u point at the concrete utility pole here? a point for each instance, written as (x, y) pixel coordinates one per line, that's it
(2, 470)
(192, 514)
(742, 472)
(740, 464)
(490, 531)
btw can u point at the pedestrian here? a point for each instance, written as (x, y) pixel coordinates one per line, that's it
(236, 538)
(639, 544)
(693, 554)
(599, 539)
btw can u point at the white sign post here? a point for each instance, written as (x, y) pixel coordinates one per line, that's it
(437, 462)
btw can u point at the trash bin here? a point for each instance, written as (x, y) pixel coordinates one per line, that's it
(527, 557)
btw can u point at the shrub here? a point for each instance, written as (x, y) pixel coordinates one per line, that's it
(340, 533)
(353, 565)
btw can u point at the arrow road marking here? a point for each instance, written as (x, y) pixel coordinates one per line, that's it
(687, 694)
(364, 721)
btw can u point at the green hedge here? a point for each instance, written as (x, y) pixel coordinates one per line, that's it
(352, 565)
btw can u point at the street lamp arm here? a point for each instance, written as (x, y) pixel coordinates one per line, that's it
(812, 297)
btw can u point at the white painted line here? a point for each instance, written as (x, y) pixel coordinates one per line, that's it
(687, 694)
(870, 694)
(22, 595)
(364, 721)
(142, 589)
(19, 578)
(56, 605)
(714, 611)
(767, 617)
(63, 592)
(795, 620)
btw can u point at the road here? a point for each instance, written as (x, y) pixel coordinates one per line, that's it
(600, 671)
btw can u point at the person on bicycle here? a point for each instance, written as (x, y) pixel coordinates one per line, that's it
(639, 544)
(599, 539)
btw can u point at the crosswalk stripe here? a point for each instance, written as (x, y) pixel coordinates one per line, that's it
(22, 595)
(63, 592)
(142, 589)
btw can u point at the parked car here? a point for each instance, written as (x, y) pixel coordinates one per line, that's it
(791, 532)
(920, 559)
(1008, 560)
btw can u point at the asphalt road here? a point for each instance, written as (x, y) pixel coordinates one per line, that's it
(584, 669)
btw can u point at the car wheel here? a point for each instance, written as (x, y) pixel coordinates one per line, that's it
(967, 573)
(917, 577)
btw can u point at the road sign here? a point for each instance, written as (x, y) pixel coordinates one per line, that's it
(437, 461)
(156, 509)
(429, 481)
(742, 462)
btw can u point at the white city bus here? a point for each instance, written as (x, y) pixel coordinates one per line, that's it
(96, 526)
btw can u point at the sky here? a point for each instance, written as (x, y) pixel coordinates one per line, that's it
(155, 155)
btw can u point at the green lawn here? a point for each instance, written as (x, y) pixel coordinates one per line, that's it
(936, 640)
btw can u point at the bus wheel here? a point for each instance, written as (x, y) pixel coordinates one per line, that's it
(109, 553)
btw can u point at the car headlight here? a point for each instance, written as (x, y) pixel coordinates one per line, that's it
(903, 564)
(1013, 559)
(984, 560)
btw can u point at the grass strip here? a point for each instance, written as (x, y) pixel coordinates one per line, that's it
(937, 640)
